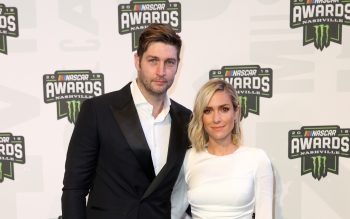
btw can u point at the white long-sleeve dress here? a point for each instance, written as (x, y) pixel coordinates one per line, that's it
(230, 186)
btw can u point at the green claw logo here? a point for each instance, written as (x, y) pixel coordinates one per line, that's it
(322, 21)
(73, 110)
(243, 104)
(321, 36)
(8, 25)
(319, 148)
(250, 81)
(320, 164)
(137, 15)
(69, 89)
(1, 175)
(11, 151)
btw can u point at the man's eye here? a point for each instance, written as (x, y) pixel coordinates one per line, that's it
(171, 62)
(152, 61)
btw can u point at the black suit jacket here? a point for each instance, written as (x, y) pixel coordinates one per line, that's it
(109, 159)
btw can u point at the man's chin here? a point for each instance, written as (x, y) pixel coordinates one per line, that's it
(160, 90)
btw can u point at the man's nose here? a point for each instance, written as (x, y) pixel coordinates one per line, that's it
(161, 69)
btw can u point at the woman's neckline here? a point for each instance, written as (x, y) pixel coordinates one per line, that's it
(223, 155)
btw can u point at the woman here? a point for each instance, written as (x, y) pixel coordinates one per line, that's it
(224, 179)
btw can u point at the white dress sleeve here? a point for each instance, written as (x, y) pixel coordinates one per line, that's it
(263, 188)
(179, 202)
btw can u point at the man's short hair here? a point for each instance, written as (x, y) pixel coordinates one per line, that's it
(158, 33)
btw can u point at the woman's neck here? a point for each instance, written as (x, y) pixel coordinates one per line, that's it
(221, 149)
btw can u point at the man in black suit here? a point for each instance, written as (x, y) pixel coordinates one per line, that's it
(128, 146)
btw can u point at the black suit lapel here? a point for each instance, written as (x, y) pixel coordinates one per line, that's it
(175, 150)
(129, 123)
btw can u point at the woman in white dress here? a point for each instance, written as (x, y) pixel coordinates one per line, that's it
(223, 178)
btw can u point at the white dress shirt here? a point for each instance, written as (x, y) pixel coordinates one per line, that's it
(156, 130)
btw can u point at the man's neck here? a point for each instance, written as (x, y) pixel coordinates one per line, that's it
(157, 101)
(157, 108)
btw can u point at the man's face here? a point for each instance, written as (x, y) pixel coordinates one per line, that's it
(156, 69)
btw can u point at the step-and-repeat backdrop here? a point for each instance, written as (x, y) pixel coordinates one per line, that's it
(289, 61)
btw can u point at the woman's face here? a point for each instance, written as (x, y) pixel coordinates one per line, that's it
(218, 117)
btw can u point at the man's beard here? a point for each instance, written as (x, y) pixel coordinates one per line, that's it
(147, 84)
(153, 90)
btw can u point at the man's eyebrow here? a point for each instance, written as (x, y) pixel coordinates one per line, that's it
(173, 59)
(152, 56)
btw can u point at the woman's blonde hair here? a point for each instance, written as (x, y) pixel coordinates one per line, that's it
(196, 131)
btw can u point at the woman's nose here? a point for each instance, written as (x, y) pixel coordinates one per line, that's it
(217, 117)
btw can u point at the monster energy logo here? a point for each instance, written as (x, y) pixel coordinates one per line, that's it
(243, 104)
(1, 175)
(321, 36)
(319, 169)
(69, 89)
(8, 25)
(136, 16)
(11, 151)
(73, 110)
(322, 21)
(319, 148)
(250, 81)
(3, 44)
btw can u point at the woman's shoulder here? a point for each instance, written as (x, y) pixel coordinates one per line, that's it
(191, 151)
(192, 155)
(259, 160)
(254, 152)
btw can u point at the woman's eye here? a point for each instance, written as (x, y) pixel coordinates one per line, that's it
(225, 109)
(206, 111)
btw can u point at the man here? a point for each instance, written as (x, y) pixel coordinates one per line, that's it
(128, 146)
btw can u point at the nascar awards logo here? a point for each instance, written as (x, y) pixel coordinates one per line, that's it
(321, 20)
(69, 89)
(137, 15)
(11, 151)
(250, 81)
(319, 148)
(8, 25)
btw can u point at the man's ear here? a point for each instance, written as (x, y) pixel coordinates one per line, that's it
(137, 61)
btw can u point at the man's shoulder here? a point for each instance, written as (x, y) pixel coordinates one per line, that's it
(122, 93)
(116, 98)
(179, 108)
